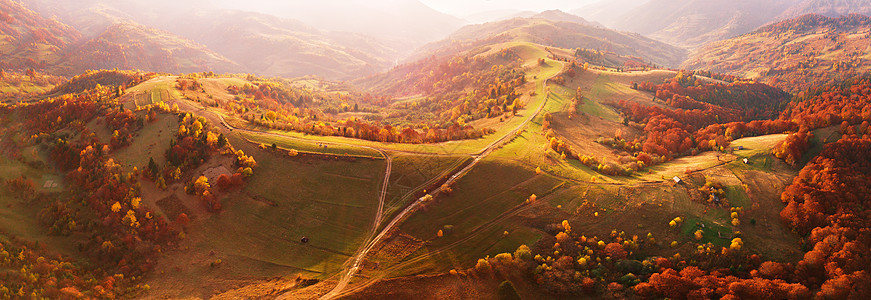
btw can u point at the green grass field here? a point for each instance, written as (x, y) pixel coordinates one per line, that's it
(150, 142)
(19, 216)
(334, 202)
(414, 173)
(157, 90)
(309, 145)
(331, 202)
(24, 87)
(477, 211)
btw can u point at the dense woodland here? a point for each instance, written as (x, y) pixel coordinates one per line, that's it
(795, 54)
(101, 204)
(79, 124)
(25, 31)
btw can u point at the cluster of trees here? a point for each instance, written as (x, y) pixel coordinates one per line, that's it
(263, 89)
(94, 79)
(36, 273)
(629, 164)
(832, 105)
(20, 187)
(456, 91)
(122, 123)
(475, 94)
(793, 147)
(829, 199)
(609, 59)
(196, 141)
(846, 103)
(122, 236)
(701, 116)
(375, 131)
(101, 207)
(577, 100)
(748, 100)
(615, 266)
(61, 112)
(440, 75)
(828, 202)
(203, 189)
(717, 76)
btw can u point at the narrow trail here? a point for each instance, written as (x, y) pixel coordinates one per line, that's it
(367, 245)
(346, 277)
(373, 239)
(361, 253)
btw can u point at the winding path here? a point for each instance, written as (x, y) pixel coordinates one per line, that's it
(373, 239)
(367, 245)
(361, 254)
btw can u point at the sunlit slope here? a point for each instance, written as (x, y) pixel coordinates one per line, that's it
(485, 214)
(794, 54)
(559, 33)
(133, 46)
(269, 45)
(28, 40)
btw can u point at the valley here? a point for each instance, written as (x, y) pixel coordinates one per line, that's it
(241, 154)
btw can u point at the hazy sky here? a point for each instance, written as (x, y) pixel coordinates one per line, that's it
(468, 7)
(459, 8)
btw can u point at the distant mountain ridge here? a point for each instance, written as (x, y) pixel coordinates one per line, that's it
(28, 40)
(693, 23)
(234, 40)
(559, 29)
(274, 46)
(829, 8)
(36, 42)
(410, 22)
(793, 54)
(135, 46)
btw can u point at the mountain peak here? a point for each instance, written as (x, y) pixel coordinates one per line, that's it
(561, 16)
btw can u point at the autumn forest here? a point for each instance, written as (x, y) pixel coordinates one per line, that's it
(418, 149)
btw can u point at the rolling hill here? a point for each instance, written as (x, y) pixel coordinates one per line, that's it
(829, 8)
(539, 157)
(497, 15)
(409, 22)
(134, 46)
(693, 23)
(558, 29)
(28, 40)
(270, 45)
(257, 42)
(607, 12)
(794, 54)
